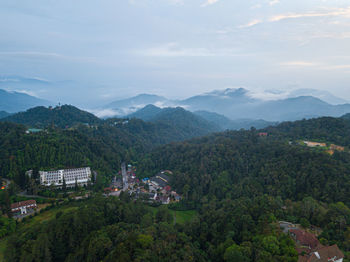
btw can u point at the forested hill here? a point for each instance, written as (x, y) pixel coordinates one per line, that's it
(101, 146)
(60, 116)
(324, 129)
(4, 114)
(179, 118)
(347, 116)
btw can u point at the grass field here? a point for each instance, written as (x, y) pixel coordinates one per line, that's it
(181, 216)
(184, 216)
(47, 215)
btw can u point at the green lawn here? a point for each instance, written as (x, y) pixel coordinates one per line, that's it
(184, 216)
(48, 215)
(181, 216)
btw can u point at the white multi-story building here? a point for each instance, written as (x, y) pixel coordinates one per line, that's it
(81, 175)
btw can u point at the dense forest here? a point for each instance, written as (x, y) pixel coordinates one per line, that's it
(60, 116)
(238, 183)
(119, 230)
(74, 138)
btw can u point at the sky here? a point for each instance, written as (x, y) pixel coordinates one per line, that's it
(89, 52)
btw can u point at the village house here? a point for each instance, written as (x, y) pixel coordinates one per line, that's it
(263, 134)
(306, 242)
(311, 250)
(23, 206)
(324, 254)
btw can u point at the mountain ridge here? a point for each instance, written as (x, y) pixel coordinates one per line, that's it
(240, 103)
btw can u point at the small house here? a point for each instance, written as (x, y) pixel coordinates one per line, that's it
(23, 206)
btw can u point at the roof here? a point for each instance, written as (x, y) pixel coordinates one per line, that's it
(34, 130)
(305, 238)
(23, 203)
(325, 254)
(164, 177)
(159, 181)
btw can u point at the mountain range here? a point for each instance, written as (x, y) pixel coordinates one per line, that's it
(211, 121)
(17, 101)
(240, 103)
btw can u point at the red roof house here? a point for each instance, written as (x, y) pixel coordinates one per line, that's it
(23, 205)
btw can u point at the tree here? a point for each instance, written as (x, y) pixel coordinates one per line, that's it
(64, 186)
(235, 253)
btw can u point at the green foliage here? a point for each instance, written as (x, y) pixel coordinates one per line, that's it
(7, 226)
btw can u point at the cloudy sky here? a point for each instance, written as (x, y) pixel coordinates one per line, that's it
(94, 51)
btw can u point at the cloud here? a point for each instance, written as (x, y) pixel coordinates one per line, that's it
(274, 2)
(299, 64)
(251, 23)
(268, 95)
(257, 6)
(209, 2)
(46, 55)
(332, 12)
(174, 50)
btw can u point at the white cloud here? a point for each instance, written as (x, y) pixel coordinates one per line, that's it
(299, 64)
(174, 50)
(251, 23)
(209, 2)
(274, 2)
(334, 12)
(257, 6)
(46, 55)
(268, 95)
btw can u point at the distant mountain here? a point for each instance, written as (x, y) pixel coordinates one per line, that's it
(240, 103)
(147, 113)
(218, 101)
(15, 101)
(127, 106)
(60, 116)
(4, 114)
(320, 94)
(227, 124)
(295, 109)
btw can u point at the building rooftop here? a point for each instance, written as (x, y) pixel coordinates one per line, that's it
(324, 254)
(305, 238)
(23, 203)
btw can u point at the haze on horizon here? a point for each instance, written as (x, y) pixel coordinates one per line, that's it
(91, 52)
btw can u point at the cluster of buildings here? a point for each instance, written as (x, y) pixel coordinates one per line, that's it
(154, 189)
(80, 176)
(309, 247)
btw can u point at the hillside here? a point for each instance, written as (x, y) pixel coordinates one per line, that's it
(227, 124)
(147, 113)
(60, 116)
(4, 114)
(347, 116)
(180, 119)
(15, 101)
(326, 129)
(237, 184)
